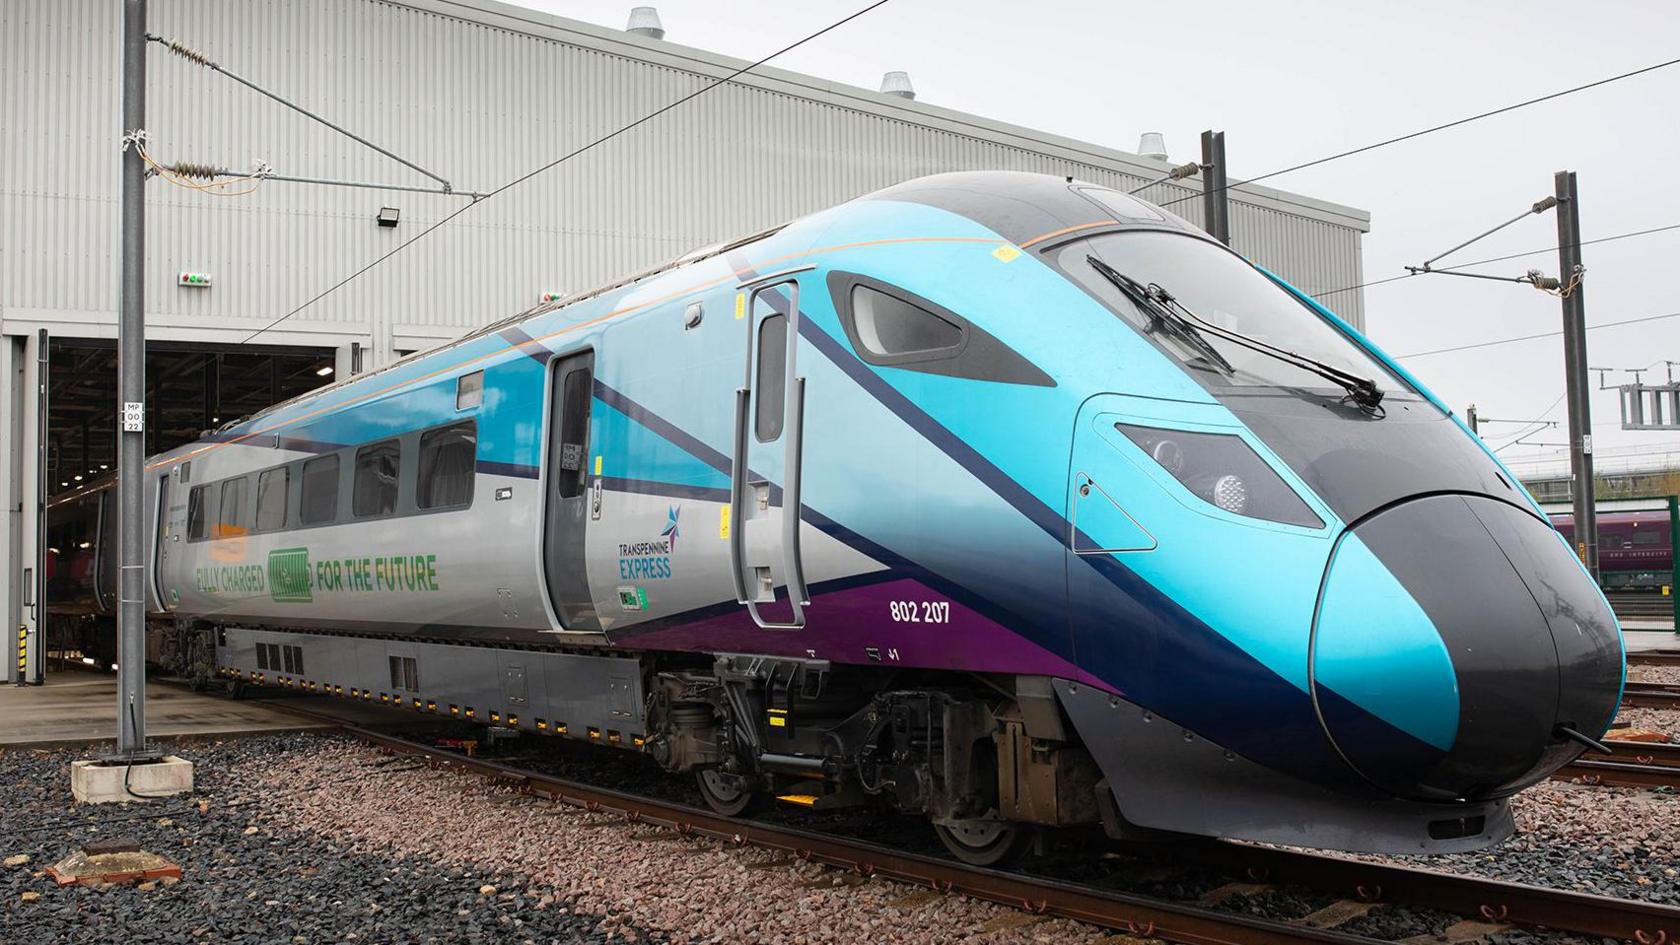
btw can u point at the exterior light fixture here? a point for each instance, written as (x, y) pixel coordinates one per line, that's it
(388, 216)
(324, 371)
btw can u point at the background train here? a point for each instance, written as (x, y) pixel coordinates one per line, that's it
(1635, 549)
(1003, 499)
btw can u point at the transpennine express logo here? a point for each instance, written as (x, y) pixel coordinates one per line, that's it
(670, 532)
(650, 560)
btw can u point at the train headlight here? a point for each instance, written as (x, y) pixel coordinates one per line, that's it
(1222, 470)
(1230, 494)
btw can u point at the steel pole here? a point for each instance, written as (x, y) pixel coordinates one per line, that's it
(1216, 210)
(131, 396)
(1575, 368)
(35, 665)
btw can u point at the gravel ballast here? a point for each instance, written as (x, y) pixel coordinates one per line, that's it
(246, 878)
(307, 839)
(318, 838)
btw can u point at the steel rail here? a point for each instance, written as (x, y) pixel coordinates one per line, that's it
(1473, 897)
(1654, 658)
(1657, 754)
(1619, 774)
(1651, 695)
(1635, 764)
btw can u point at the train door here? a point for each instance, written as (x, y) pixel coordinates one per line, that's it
(572, 391)
(160, 541)
(769, 426)
(1107, 527)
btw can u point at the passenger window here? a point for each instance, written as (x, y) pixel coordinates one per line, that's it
(771, 385)
(889, 326)
(271, 499)
(574, 432)
(319, 502)
(195, 514)
(375, 489)
(232, 518)
(447, 460)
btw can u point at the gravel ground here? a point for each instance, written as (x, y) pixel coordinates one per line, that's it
(1666, 721)
(635, 881)
(1621, 842)
(247, 879)
(315, 838)
(1638, 672)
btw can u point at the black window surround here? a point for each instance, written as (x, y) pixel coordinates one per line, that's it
(977, 355)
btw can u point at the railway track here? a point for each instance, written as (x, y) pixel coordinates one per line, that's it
(1655, 658)
(1486, 905)
(1634, 764)
(1651, 695)
(1636, 604)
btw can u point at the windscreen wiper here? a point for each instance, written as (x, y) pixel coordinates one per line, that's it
(1161, 315)
(1363, 391)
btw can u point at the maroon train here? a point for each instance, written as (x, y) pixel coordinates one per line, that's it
(1635, 549)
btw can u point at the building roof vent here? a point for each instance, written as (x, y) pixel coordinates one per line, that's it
(898, 83)
(1152, 145)
(644, 21)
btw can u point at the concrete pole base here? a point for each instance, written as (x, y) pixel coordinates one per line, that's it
(94, 782)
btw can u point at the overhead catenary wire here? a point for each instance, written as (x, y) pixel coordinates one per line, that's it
(1543, 334)
(1482, 262)
(1430, 130)
(1534, 426)
(715, 83)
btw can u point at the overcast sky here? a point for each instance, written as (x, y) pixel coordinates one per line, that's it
(1292, 81)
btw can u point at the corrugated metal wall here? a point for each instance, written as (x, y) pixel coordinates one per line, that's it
(479, 102)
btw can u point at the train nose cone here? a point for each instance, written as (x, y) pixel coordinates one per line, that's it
(1455, 634)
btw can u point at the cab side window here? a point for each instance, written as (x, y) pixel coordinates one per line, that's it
(890, 326)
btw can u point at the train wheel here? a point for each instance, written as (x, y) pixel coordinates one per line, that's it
(725, 793)
(986, 842)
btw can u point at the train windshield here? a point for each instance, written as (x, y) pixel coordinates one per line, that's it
(1227, 294)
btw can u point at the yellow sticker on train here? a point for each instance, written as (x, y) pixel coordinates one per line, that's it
(740, 305)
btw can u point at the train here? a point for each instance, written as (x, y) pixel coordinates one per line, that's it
(1006, 500)
(1635, 549)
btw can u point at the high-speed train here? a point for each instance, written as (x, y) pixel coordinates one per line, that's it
(1001, 498)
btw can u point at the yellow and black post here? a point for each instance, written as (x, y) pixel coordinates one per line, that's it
(1674, 557)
